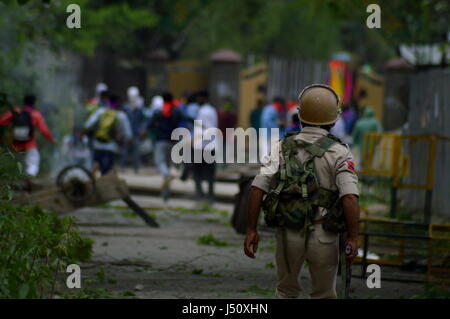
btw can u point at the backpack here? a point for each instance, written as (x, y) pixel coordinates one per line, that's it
(297, 195)
(22, 126)
(106, 126)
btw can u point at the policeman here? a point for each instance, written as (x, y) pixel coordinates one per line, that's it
(333, 170)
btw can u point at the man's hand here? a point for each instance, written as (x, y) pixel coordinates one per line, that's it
(351, 214)
(251, 243)
(354, 252)
(254, 206)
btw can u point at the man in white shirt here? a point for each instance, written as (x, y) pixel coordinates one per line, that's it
(338, 129)
(204, 171)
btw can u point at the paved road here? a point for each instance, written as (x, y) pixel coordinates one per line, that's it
(173, 262)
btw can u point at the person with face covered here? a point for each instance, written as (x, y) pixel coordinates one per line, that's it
(164, 119)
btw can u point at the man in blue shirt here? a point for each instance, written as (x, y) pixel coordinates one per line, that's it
(270, 119)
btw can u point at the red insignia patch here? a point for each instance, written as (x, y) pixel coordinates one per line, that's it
(351, 166)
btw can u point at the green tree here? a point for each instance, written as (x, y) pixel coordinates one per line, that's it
(402, 22)
(27, 25)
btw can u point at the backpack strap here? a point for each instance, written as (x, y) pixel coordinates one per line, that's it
(283, 170)
(288, 147)
(321, 146)
(334, 137)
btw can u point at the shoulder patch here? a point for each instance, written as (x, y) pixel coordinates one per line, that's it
(351, 166)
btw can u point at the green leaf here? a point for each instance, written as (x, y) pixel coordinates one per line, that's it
(23, 291)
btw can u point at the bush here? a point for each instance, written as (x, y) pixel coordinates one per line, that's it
(10, 171)
(34, 244)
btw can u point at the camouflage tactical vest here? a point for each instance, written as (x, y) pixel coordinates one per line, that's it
(294, 201)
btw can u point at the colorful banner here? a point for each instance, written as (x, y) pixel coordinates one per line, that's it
(341, 80)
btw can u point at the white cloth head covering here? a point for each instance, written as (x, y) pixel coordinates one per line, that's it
(157, 103)
(132, 93)
(99, 88)
(134, 99)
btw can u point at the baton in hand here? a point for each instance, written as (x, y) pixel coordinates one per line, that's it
(348, 269)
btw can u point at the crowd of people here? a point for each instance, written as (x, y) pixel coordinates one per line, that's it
(114, 133)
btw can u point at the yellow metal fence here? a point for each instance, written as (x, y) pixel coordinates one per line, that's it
(386, 155)
(404, 241)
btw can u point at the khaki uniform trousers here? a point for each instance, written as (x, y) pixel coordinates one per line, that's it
(322, 257)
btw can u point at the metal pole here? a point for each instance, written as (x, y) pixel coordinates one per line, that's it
(428, 197)
(395, 174)
(430, 179)
(141, 213)
(364, 261)
(393, 201)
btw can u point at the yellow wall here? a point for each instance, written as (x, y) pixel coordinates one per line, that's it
(374, 86)
(250, 80)
(187, 76)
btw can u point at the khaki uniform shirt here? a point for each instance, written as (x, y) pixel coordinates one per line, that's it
(334, 170)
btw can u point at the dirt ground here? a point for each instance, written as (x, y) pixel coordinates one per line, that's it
(194, 254)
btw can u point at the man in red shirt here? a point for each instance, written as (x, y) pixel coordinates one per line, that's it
(23, 121)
